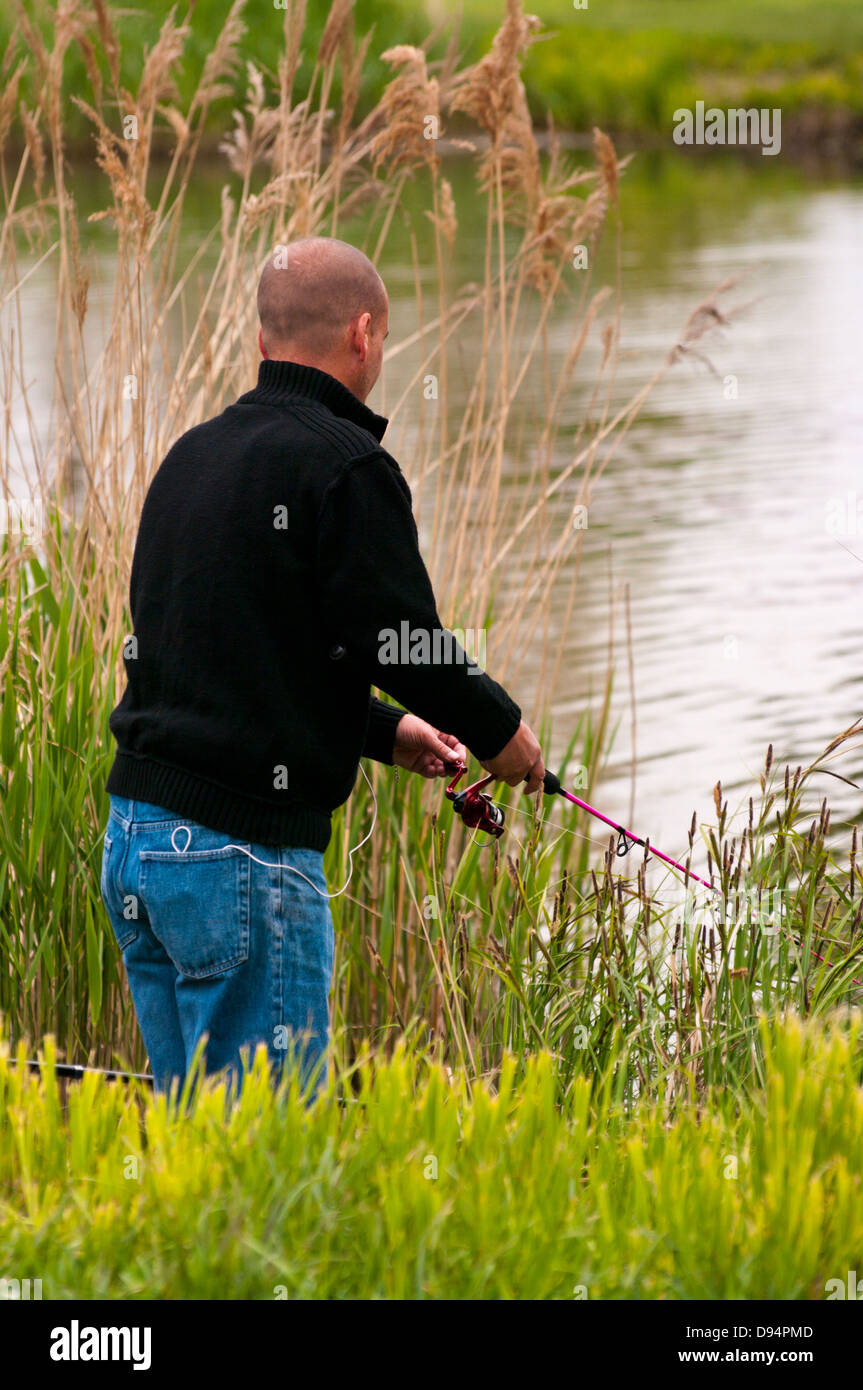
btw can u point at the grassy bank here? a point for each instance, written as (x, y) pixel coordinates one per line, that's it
(625, 65)
(419, 1187)
(629, 65)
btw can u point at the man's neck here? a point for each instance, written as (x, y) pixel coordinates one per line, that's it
(333, 369)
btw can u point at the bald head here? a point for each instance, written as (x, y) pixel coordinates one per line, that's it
(311, 291)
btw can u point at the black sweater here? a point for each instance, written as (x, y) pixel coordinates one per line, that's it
(275, 548)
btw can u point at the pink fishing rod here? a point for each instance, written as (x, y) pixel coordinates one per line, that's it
(552, 785)
(478, 811)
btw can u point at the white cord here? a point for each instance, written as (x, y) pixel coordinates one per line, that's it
(290, 869)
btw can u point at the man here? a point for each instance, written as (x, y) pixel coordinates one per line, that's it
(276, 547)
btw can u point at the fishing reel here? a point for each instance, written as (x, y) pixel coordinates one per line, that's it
(475, 806)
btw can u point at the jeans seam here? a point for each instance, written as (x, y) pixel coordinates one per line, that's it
(277, 938)
(127, 845)
(114, 886)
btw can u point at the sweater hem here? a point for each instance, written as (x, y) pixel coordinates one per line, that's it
(141, 779)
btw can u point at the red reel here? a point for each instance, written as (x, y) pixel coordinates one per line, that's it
(475, 806)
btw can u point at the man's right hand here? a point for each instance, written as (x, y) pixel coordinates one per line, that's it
(521, 758)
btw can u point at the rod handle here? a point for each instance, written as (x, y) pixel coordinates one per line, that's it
(551, 783)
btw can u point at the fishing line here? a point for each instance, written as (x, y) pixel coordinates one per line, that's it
(581, 835)
(626, 839)
(564, 829)
(599, 844)
(288, 867)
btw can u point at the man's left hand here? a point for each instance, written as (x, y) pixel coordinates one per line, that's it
(421, 748)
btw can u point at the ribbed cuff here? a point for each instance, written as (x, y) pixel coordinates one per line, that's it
(384, 719)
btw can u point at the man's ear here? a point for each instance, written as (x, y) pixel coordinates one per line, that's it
(261, 342)
(364, 328)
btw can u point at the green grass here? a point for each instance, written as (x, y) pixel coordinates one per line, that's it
(60, 970)
(833, 22)
(625, 65)
(628, 66)
(422, 1187)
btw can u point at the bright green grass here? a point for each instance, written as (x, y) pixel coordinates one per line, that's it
(623, 64)
(834, 22)
(417, 1188)
(628, 66)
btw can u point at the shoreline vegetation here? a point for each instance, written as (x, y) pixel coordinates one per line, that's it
(420, 1186)
(602, 65)
(580, 1053)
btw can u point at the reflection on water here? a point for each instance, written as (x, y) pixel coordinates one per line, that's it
(747, 611)
(745, 607)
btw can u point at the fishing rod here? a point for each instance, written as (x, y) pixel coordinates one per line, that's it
(479, 812)
(73, 1072)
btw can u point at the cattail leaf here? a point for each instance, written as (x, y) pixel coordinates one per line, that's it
(94, 945)
(8, 722)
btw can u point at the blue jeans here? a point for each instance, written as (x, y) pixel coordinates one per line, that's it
(216, 943)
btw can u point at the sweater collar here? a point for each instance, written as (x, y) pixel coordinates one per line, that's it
(279, 381)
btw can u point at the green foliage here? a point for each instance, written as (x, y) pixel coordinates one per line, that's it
(636, 80)
(419, 1185)
(621, 65)
(58, 970)
(392, 21)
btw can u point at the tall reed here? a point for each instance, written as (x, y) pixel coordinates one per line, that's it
(431, 935)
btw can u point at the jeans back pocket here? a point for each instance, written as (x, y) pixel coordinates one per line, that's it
(198, 906)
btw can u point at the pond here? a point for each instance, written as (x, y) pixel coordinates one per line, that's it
(733, 509)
